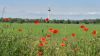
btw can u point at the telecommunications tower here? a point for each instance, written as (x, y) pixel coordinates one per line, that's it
(3, 11)
(49, 13)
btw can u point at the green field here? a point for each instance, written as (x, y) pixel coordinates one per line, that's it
(24, 39)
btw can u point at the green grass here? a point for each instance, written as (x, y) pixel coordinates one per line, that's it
(25, 43)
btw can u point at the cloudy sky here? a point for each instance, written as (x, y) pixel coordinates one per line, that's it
(60, 9)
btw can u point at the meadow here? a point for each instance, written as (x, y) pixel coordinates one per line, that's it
(45, 39)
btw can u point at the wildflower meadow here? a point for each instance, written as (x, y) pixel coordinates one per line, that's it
(47, 39)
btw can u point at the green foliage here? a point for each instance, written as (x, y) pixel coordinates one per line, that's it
(20, 20)
(25, 42)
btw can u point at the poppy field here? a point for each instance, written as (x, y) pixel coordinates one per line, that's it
(47, 39)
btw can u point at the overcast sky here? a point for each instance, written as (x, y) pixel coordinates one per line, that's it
(60, 9)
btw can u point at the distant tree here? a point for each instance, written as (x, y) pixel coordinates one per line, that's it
(61, 21)
(69, 21)
(1, 19)
(77, 22)
(97, 21)
(86, 21)
(41, 20)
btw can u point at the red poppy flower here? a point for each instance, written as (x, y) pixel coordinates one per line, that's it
(73, 34)
(6, 19)
(41, 44)
(36, 22)
(43, 39)
(47, 19)
(48, 36)
(64, 39)
(45, 42)
(82, 26)
(40, 53)
(51, 30)
(94, 32)
(85, 29)
(63, 44)
(55, 31)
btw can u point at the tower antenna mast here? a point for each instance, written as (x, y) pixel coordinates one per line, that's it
(3, 11)
(49, 11)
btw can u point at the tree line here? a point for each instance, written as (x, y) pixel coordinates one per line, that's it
(20, 20)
